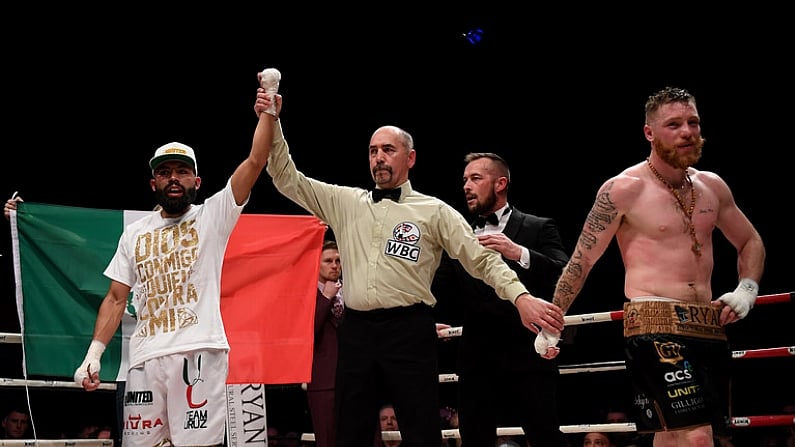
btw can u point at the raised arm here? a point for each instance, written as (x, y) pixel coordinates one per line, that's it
(248, 171)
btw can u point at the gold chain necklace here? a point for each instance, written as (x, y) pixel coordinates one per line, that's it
(687, 210)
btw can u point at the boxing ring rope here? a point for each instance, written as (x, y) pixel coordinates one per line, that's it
(572, 320)
(598, 317)
(783, 351)
(619, 427)
(51, 384)
(742, 421)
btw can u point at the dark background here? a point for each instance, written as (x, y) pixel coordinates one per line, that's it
(89, 95)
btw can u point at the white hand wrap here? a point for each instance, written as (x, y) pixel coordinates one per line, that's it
(95, 350)
(545, 340)
(743, 298)
(270, 82)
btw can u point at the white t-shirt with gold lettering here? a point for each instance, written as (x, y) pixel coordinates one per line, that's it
(174, 269)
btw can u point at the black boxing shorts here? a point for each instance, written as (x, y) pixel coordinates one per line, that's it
(678, 360)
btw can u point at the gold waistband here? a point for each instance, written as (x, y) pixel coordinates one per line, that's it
(673, 317)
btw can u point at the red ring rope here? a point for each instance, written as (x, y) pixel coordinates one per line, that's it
(783, 351)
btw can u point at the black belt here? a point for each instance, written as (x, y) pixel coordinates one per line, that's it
(388, 312)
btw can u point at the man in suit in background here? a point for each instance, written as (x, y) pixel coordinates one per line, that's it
(328, 313)
(496, 351)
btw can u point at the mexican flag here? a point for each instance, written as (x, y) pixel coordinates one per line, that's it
(268, 287)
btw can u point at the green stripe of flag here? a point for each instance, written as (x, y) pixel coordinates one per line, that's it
(60, 253)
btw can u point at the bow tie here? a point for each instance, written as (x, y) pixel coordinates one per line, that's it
(481, 221)
(391, 194)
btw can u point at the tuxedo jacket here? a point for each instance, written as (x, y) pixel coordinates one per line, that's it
(324, 355)
(490, 323)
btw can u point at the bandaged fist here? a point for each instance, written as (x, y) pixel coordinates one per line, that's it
(546, 344)
(90, 367)
(743, 298)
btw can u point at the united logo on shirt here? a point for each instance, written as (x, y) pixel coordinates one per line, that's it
(403, 244)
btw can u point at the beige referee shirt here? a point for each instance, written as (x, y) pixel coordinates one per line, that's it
(390, 250)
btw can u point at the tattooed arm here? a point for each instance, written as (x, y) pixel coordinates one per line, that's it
(601, 225)
(607, 218)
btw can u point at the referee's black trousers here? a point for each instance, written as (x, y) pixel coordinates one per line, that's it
(388, 356)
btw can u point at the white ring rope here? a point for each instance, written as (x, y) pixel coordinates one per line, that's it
(784, 351)
(572, 320)
(51, 384)
(620, 427)
(598, 317)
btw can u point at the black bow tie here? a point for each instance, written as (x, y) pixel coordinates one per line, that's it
(481, 221)
(391, 194)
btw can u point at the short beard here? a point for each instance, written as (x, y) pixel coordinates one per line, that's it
(178, 205)
(481, 209)
(668, 154)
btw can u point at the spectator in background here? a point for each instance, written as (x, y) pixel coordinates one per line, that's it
(87, 431)
(291, 439)
(387, 421)
(274, 437)
(597, 439)
(93, 430)
(105, 432)
(617, 415)
(450, 422)
(16, 423)
(507, 441)
(328, 313)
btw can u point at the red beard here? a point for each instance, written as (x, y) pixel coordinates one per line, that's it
(670, 155)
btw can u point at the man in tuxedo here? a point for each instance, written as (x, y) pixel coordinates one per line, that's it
(501, 379)
(328, 313)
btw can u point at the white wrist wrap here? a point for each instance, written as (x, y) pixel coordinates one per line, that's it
(545, 340)
(270, 82)
(94, 354)
(743, 298)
